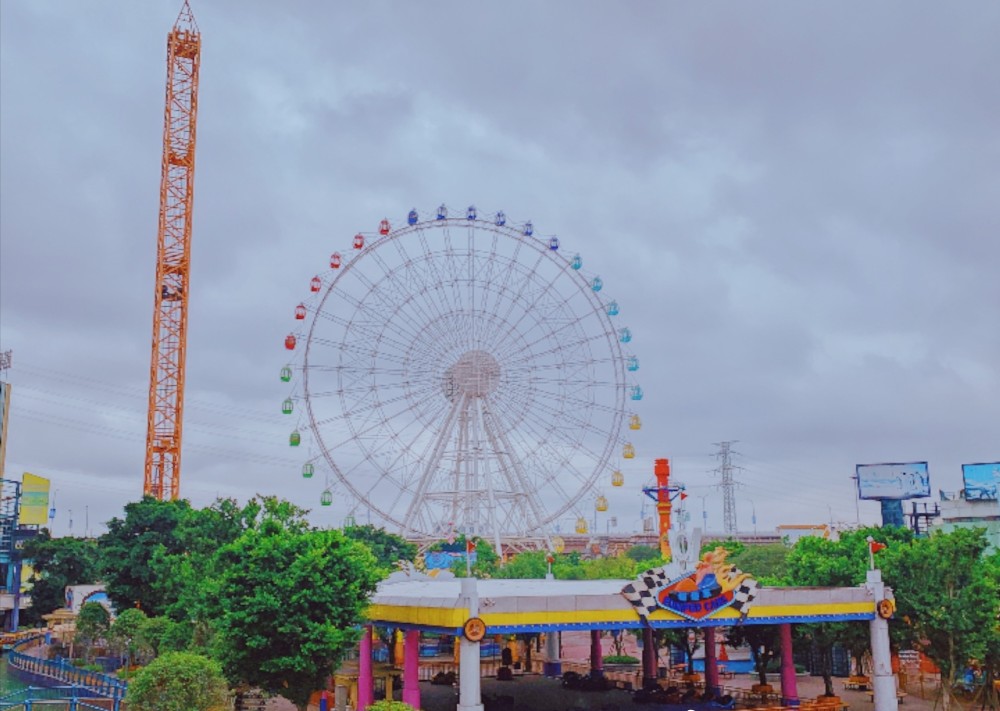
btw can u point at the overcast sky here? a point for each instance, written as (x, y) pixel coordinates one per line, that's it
(797, 205)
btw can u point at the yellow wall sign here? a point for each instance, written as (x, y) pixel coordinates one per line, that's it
(34, 500)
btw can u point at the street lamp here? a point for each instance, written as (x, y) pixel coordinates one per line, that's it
(704, 514)
(753, 509)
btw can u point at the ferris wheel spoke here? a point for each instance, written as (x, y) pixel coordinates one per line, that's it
(529, 486)
(358, 411)
(552, 432)
(557, 349)
(552, 478)
(528, 279)
(568, 411)
(569, 324)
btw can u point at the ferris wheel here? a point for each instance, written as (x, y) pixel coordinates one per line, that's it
(463, 375)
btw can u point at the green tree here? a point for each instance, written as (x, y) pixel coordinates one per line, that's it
(127, 634)
(161, 635)
(682, 639)
(487, 562)
(289, 603)
(179, 681)
(129, 547)
(610, 568)
(764, 642)
(646, 556)
(529, 564)
(92, 624)
(57, 563)
(768, 563)
(947, 597)
(388, 548)
(824, 562)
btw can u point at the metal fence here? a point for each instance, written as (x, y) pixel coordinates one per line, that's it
(57, 698)
(78, 683)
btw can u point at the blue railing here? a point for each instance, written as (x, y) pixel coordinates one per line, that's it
(94, 684)
(74, 698)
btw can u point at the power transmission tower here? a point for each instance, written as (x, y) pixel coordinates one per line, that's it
(728, 485)
(173, 262)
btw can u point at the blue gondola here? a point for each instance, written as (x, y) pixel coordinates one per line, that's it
(412, 217)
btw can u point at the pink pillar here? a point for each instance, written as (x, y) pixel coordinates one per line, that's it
(789, 690)
(711, 663)
(411, 668)
(366, 682)
(596, 656)
(649, 670)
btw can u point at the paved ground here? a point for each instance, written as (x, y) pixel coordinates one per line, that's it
(536, 693)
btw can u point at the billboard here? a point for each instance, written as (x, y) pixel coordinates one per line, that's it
(982, 481)
(34, 500)
(907, 480)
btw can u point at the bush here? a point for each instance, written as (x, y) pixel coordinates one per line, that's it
(178, 681)
(620, 659)
(390, 706)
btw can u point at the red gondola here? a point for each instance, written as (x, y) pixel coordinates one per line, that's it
(300, 312)
(290, 342)
(359, 241)
(383, 227)
(335, 260)
(315, 284)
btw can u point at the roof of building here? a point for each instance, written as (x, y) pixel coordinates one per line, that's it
(510, 606)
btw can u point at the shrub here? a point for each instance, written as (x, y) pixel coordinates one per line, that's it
(390, 706)
(178, 681)
(620, 659)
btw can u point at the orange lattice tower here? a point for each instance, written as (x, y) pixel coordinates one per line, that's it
(173, 261)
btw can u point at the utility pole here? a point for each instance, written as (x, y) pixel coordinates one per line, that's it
(728, 485)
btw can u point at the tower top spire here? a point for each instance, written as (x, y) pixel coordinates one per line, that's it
(185, 20)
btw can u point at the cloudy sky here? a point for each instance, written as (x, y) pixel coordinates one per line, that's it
(796, 204)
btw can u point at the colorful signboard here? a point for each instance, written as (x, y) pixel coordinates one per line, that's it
(907, 480)
(713, 585)
(34, 500)
(982, 481)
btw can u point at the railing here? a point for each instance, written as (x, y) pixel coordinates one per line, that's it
(53, 698)
(97, 684)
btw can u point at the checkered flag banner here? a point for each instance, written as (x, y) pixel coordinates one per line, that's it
(640, 592)
(744, 596)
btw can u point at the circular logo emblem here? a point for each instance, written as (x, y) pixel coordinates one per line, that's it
(885, 609)
(474, 629)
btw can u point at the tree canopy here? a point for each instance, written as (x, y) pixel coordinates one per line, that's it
(57, 562)
(289, 605)
(947, 597)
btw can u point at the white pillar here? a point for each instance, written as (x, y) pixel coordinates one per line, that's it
(470, 698)
(883, 681)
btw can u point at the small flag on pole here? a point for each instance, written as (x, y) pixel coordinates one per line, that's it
(875, 546)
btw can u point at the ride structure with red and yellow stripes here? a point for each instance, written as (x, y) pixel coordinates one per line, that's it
(170, 313)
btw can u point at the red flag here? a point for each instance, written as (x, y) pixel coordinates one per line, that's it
(683, 496)
(470, 546)
(875, 546)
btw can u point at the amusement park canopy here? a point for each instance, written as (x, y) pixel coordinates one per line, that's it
(512, 606)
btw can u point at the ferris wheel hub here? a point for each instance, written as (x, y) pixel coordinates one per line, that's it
(475, 374)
